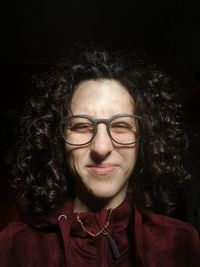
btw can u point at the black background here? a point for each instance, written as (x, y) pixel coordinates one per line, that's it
(33, 32)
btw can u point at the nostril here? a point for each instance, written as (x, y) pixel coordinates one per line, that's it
(98, 157)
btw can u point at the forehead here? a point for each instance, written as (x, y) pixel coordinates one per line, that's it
(101, 97)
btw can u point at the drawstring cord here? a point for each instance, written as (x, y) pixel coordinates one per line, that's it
(112, 243)
(65, 230)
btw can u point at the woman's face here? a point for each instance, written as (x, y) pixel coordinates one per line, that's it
(101, 169)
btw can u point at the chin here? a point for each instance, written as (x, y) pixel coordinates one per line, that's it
(103, 191)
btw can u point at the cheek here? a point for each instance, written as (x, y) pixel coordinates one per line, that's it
(75, 159)
(72, 160)
(130, 159)
(69, 157)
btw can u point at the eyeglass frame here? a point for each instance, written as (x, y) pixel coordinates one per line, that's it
(95, 122)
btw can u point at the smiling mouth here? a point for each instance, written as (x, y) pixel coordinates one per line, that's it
(103, 169)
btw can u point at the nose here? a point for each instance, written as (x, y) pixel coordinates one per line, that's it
(101, 145)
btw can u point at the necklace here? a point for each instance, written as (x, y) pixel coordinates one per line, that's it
(104, 229)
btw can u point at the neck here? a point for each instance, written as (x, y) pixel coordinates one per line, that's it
(94, 204)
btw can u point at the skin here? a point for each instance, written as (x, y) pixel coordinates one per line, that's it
(101, 169)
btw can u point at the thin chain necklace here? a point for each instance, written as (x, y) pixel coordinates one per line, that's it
(100, 231)
(103, 231)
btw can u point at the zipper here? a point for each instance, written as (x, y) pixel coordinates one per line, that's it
(103, 252)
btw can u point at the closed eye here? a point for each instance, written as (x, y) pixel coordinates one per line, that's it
(121, 126)
(82, 127)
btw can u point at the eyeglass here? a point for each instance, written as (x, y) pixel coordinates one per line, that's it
(80, 130)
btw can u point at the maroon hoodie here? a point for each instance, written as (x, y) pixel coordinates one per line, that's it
(134, 238)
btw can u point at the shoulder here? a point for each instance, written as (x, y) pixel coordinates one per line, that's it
(167, 240)
(169, 229)
(12, 231)
(6, 239)
(13, 228)
(26, 245)
(153, 219)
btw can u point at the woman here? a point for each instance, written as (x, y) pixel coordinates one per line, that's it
(101, 155)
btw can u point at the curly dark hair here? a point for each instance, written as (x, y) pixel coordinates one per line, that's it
(42, 175)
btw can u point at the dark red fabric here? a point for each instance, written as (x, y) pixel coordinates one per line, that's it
(143, 239)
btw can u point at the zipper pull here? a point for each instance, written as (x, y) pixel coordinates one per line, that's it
(112, 242)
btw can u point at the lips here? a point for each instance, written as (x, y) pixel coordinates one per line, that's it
(102, 169)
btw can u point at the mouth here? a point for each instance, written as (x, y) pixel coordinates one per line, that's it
(102, 169)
